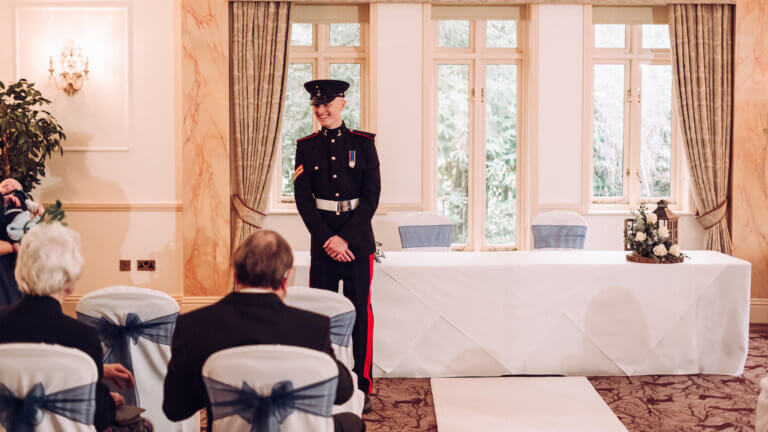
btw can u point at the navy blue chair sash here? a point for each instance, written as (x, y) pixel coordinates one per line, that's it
(265, 413)
(341, 328)
(559, 236)
(24, 414)
(115, 337)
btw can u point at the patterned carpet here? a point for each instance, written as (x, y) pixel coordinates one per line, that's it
(648, 403)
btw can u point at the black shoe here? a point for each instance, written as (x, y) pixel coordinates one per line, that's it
(367, 405)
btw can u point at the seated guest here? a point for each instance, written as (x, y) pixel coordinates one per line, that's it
(49, 264)
(252, 315)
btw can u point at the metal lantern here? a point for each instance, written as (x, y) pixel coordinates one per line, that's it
(667, 219)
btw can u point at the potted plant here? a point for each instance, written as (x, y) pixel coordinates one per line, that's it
(28, 133)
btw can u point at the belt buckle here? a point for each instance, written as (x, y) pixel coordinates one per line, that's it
(343, 206)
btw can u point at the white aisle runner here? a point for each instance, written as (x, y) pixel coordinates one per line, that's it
(529, 404)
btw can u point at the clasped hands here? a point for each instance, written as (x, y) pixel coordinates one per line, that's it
(121, 377)
(338, 249)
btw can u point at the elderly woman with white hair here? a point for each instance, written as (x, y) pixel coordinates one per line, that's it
(48, 265)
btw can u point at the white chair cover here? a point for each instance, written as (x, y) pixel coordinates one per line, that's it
(263, 366)
(418, 231)
(331, 304)
(560, 229)
(761, 420)
(22, 365)
(150, 359)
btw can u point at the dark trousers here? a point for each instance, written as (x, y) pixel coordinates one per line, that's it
(325, 273)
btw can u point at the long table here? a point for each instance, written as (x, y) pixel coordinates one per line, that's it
(441, 314)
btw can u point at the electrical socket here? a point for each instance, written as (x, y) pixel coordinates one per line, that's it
(145, 265)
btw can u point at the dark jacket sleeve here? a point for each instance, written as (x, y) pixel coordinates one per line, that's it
(305, 201)
(345, 387)
(369, 199)
(183, 392)
(105, 405)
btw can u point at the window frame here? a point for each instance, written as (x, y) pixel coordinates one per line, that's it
(321, 55)
(633, 56)
(477, 56)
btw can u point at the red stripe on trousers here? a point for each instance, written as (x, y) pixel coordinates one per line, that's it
(369, 347)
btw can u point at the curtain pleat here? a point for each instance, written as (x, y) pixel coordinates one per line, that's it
(702, 61)
(260, 36)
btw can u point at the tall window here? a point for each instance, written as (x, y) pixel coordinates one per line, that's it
(474, 114)
(634, 148)
(326, 42)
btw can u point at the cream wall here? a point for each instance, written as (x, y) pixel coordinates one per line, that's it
(559, 101)
(119, 177)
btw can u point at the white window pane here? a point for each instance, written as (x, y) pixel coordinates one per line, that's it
(610, 36)
(453, 34)
(301, 34)
(656, 129)
(345, 34)
(500, 153)
(452, 147)
(656, 36)
(297, 120)
(501, 34)
(608, 131)
(349, 72)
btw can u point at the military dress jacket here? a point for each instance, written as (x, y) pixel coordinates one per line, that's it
(338, 164)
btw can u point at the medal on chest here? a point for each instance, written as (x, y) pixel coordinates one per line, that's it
(352, 157)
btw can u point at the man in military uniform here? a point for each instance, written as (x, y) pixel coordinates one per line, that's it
(337, 186)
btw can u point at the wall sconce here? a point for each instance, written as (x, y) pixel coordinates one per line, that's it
(74, 70)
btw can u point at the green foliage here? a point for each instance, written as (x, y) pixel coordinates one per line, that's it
(28, 134)
(54, 213)
(379, 255)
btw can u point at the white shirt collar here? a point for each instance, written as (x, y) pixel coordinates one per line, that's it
(256, 291)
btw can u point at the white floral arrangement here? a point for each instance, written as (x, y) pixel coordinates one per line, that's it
(647, 239)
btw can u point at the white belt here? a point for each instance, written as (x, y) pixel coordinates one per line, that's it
(337, 206)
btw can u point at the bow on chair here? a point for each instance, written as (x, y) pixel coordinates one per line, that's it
(341, 328)
(115, 338)
(24, 414)
(267, 413)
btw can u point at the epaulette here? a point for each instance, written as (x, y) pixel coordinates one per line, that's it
(368, 135)
(312, 135)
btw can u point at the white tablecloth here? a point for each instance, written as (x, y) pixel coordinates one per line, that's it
(440, 314)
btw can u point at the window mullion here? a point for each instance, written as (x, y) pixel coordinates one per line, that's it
(635, 134)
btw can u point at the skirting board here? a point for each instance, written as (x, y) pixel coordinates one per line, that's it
(758, 311)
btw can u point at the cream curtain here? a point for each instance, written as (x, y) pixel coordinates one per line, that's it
(260, 36)
(702, 60)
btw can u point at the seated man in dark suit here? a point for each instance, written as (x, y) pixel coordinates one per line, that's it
(252, 315)
(48, 266)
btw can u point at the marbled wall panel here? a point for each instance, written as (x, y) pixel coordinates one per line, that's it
(205, 151)
(750, 149)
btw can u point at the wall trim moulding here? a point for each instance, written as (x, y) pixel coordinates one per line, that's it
(520, 2)
(758, 313)
(86, 207)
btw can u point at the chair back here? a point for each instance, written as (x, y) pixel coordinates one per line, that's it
(335, 306)
(152, 317)
(270, 388)
(421, 231)
(761, 420)
(341, 312)
(559, 230)
(64, 377)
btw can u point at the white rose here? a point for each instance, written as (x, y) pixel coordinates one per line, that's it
(674, 250)
(660, 250)
(663, 232)
(640, 236)
(651, 218)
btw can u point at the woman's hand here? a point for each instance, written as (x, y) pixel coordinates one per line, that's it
(117, 398)
(16, 247)
(119, 375)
